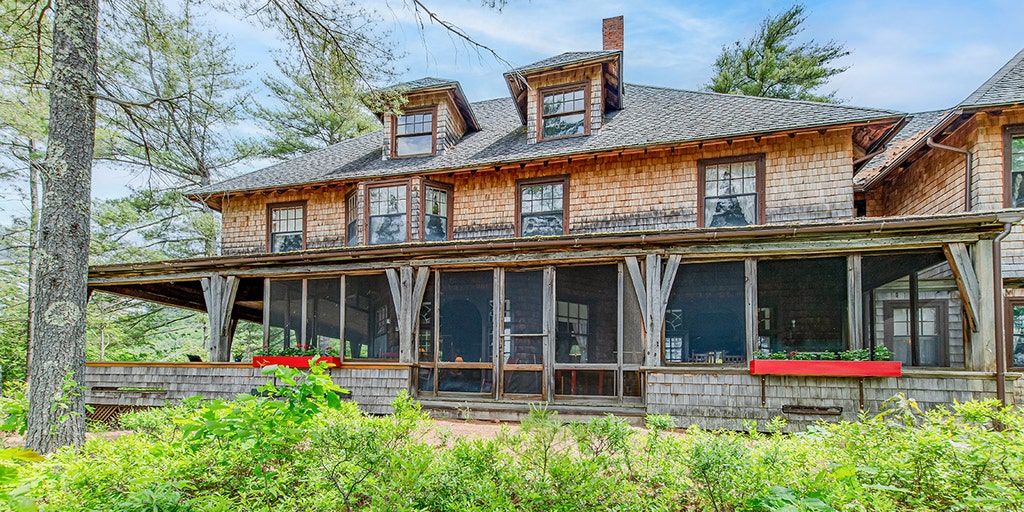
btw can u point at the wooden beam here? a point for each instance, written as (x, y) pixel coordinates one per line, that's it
(219, 293)
(655, 314)
(750, 304)
(637, 279)
(854, 291)
(966, 280)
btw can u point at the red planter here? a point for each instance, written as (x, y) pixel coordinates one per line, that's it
(826, 368)
(293, 361)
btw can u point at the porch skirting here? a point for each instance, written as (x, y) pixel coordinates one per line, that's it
(709, 397)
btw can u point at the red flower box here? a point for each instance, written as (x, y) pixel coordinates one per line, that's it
(293, 361)
(817, 368)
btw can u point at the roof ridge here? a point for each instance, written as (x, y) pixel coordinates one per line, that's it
(766, 98)
(975, 97)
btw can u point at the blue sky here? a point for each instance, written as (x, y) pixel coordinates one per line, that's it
(904, 55)
(907, 56)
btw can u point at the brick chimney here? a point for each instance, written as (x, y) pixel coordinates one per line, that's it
(611, 29)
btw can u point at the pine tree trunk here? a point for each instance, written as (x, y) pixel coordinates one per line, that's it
(56, 398)
(33, 254)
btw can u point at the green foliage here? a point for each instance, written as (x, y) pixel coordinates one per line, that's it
(772, 64)
(14, 408)
(966, 457)
(304, 121)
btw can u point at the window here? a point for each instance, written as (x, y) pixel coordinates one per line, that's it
(1013, 162)
(387, 217)
(1017, 330)
(436, 213)
(286, 227)
(901, 290)
(414, 134)
(352, 219)
(541, 207)
(704, 320)
(563, 113)
(931, 346)
(731, 191)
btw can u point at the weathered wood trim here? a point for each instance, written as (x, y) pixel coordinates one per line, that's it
(984, 339)
(654, 320)
(548, 343)
(855, 300)
(161, 364)
(219, 293)
(687, 252)
(966, 280)
(637, 278)
(750, 304)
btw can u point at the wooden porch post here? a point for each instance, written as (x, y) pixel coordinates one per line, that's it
(984, 338)
(652, 290)
(407, 293)
(219, 292)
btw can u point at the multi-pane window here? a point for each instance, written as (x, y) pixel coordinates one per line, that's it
(435, 215)
(1014, 141)
(352, 219)
(563, 113)
(286, 228)
(387, 219)
(542, 208)
(414, 134)
(730, 190)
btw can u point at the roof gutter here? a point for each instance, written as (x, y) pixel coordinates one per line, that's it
(969, 161)
(638, 241)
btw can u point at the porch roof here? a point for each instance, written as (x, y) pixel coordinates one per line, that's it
(176, 282)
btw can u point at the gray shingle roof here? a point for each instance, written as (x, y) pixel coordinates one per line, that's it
(1006, 86)
(911, 136)
(423, 83)
(653, 115)
(564, 59)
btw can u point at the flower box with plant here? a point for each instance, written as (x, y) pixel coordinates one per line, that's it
(295, 357)
(849, 363)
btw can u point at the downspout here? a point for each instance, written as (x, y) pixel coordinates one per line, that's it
(1000, 309)
(967, 171)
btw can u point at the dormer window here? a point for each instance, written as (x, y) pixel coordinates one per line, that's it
(414, 133)
(563, 112)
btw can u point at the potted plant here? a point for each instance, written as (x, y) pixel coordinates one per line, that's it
(849, 363)
(300, 356)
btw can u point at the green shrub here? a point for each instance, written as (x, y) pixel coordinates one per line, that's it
(14, 408)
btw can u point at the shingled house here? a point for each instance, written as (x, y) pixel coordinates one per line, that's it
(608, 247)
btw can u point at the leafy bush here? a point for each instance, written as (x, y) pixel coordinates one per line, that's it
(299, 449)
(14, 408)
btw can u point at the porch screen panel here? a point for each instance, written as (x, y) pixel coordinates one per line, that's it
(425, 339)
(586, 330)
(323, 315)
(284, 315)
(523, 333)
(465, 330)
(806, 302)
(371, 325)
(890, 283)
(632, 338)
(704, 320)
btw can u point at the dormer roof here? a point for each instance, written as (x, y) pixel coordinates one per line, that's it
(1006, 87)
(611, 60)
(430, 85)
